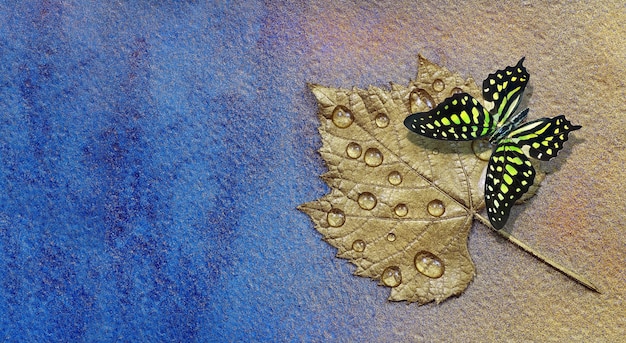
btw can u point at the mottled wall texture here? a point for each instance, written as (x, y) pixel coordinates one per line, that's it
(153, 154)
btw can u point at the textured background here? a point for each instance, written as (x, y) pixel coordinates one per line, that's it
(152, 157)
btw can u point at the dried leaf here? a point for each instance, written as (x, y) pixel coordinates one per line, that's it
(401, 205)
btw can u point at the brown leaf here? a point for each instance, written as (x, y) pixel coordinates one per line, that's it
(401, 205)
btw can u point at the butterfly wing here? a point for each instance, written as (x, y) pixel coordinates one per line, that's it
(509, 175)
(458, 118)
(544, 137)
(504, 89)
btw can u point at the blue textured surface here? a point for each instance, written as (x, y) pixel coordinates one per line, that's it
(151, 161)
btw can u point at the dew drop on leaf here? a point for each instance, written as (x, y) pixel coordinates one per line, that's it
(373, 157)
(358, 245)
(342, 117)
(420, 98)
(429, 264)
(456, 90)
(336, 217)
(367, 200)
(482, 149)
(394, 178)
(401, 210)
(382, 120)
(438, 85)
(392, 276)
(436, 208)
(391, 237)
(353, 150)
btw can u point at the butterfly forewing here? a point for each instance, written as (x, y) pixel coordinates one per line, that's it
(505, 88)
(509, 175)
(544, 137)
(459, 118)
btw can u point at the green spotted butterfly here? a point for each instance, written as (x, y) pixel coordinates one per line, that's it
(509, 173)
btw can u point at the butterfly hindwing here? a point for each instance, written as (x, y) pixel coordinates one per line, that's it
(544, 137)
(459, 118)
(509, 175)
(505, 88)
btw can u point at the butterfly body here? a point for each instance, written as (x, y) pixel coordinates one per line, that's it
(509, 173)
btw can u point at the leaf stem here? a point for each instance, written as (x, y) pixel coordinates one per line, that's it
(573, 275)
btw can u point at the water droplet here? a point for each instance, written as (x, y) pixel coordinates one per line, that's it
(358, 245)
(367, 200)
(391, 237)
(438, 85)
(373, 157)
(382, 120)
(335, 217)
(429, 264)
(456, 90)
(353, 150)
(342, 117)
(436, 208)
(394, 178)
(401, 210)
(420, 98)
(482, 149)
(435, 151)
(391, 276)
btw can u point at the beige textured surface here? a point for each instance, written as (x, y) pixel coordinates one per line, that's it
(575, 54)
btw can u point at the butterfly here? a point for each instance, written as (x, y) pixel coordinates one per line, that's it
(509, 172)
